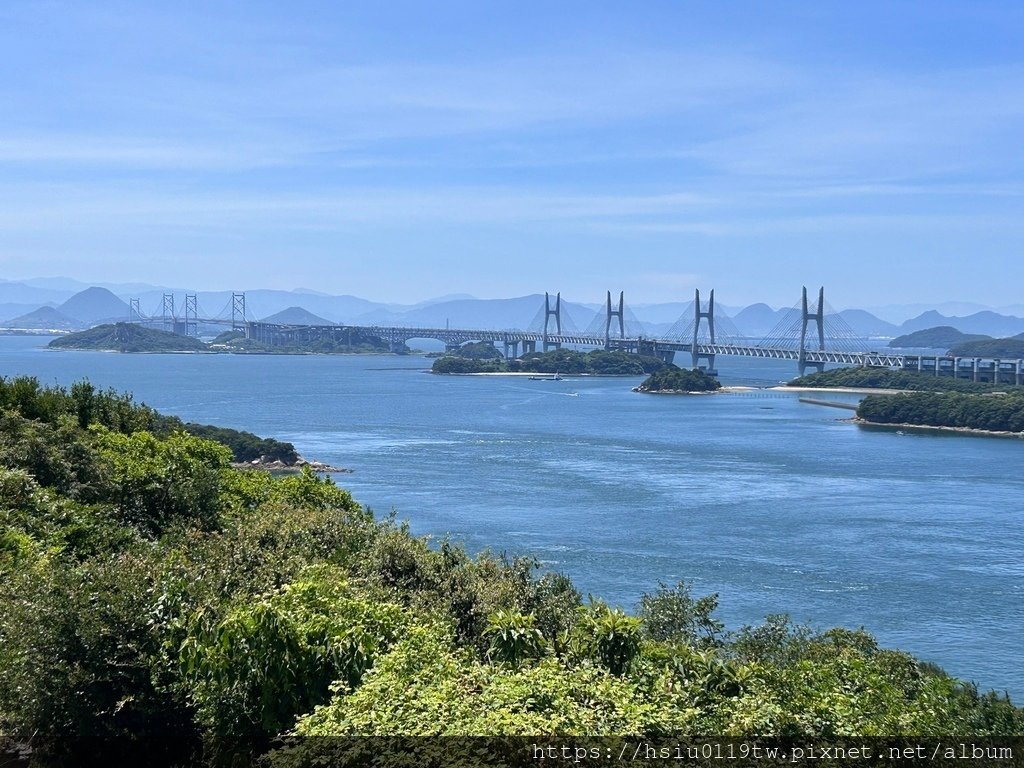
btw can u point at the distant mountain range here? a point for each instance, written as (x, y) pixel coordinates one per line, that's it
(66, 304)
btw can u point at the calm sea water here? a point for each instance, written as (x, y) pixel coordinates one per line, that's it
(772, 503)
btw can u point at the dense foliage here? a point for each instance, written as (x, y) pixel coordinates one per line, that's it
(472, 358)
(995, 411)
(940, 337)
(245, 446)
(674, 379)
(128, 337)
(160, 608)
(883, 378)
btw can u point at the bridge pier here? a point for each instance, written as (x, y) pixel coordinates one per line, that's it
(608, 320)
(695, 354)
(819, 319)
(548, 314)
(511, 349)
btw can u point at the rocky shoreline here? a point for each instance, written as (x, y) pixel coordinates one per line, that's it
(279, 466)
(934, 428)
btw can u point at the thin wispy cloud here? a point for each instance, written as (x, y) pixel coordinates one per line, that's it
(584, 132)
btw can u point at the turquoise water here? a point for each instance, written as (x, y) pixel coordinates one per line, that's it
(770, 502)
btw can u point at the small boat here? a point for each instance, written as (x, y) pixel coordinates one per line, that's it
(552, 377)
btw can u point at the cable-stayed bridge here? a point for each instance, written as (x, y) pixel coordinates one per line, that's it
(811, 333)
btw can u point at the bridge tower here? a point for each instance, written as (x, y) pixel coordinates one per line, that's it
(818, 317)
(134, 313)
(238, 322)
(608, 321)
(548, 314)
(191, 315)
(698, 315)
(167, 312)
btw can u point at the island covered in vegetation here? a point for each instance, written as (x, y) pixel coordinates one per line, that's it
(939, 337)
(997, 412)
(928, 401)
(1003, 349)
(133, 337)
(884, 378)
(483, 357)
(159, 608)
(674, 380)
(127, 337)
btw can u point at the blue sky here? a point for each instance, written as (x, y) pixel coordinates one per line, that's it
(400, 151)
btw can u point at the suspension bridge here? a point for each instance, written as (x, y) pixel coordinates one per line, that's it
(811, 333)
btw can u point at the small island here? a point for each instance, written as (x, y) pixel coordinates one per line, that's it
(482, 357)
(673, 380)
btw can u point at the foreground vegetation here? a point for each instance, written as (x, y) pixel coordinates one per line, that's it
(160, 608)
(481, 357)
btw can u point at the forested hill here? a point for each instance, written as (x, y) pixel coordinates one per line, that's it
(940, 337)
(159, 608)
(128, 337)
(1005, 349)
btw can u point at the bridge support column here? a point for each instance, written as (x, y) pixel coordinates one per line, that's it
(819, 319)
(529, 346)
(511, 349)
(167, 312)
(134, 314)
(695, 354)
(548, 314)
(608, 320)
(238, 311)
(191, 315)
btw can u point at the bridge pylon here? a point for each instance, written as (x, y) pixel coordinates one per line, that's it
(167, 312)
(613, 313)
(548, 314)
(818, 317)
(698, 315)
(134, 313)
(191, 314)
(238, 320)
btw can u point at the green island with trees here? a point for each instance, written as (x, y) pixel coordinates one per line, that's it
(928, 401)
(483, 357)
(939, 337)
(883, 378)
(674, 380)
(160, 608)
(1004, 349)
(127, 337)
(986, 412)
(132, 337)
